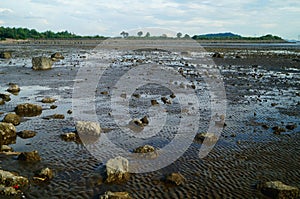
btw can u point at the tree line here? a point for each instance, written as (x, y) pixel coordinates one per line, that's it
(25, 33)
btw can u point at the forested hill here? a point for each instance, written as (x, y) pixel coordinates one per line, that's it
(25, 33)
(231, 36)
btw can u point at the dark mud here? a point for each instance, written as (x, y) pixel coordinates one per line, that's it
(247, 152)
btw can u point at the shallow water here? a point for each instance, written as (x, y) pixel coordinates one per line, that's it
(244, 154)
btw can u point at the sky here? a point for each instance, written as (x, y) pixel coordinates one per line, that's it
(193, 17)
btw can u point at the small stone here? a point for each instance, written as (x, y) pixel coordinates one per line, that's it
(5, 97)
(13, 88)
(176, 178)
(32, 156)
(69, 112)
(144, 149)
(55, 116)
(57, 56)
(104, 92)
(43, 175)
(278, 130)
(218, 55)
(6, 148)
(115, 195)
(274, 104)
(291, 126)
(12, 118)
(123, 95)
(166, 100)
(265, 126)
(2, 102)
(172, 95)
(136, 95)
(210, 137)
(53, 107)
(48, 100)
(154, 102)
(8, 133)
(145, 120)
(25, 134)
(233, 135)
(69, 136)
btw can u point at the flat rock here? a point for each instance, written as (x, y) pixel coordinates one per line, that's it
(176, 178)
(12, 118)
(32, 156)
(28, 110)
(13, 88)
(5, 55)
(278, 190)
(8, 133)
(41, 63)
(117, 170)
(115, 195)
(26, 134)
(48, 100)
(43, 175)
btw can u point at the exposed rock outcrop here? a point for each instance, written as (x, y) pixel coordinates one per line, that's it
(117, 170)
(28, 110)
(41, 63)
(7, 133)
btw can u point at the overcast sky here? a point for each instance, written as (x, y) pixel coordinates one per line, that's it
(109, 18)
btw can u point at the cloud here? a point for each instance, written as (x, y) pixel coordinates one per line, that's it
(108, 18)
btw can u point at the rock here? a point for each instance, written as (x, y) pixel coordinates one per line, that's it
(291, 126)
(69, 136)
(53, 107)
(265, 126)
(278, 190)
(13, 88)
(274, 104)
(115, 195)
(10, 179)
(26, 134)
(28, 110)
(176, 178)
(104, 93)
(278, 130)
(210, 137)
(48, 100)
(12, 118)
(166, 100)
(5, 97)
(32, 156)
(144, 149)
(145, 121)
(5, 148)
(41, 63)
(55, 116)
(154, 102)
(136, 95)
(2, 102)
(117, 170)
(8, 133)
(57, 56)
(88, 128)
(218, 55)
(5, 55)
(172, 95)
(69, 112)
(8, 191)
(238, 56)
(43, 175)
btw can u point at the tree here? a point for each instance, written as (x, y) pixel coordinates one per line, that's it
(186, 36)
(124, 34)
(179, 35)
(147, 34)
(140, 33)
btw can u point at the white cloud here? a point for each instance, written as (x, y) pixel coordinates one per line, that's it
(193, 17)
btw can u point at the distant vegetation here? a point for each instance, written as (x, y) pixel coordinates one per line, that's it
(231, 36)
(25, 33)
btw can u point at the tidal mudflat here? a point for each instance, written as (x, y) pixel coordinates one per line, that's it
(259, 141)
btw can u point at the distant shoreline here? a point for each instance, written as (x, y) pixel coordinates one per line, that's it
(93, 41)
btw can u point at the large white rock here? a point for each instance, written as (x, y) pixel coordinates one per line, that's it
(117, 169)
(88, 128)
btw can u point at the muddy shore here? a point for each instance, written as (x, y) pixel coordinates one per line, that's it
(262, 90)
